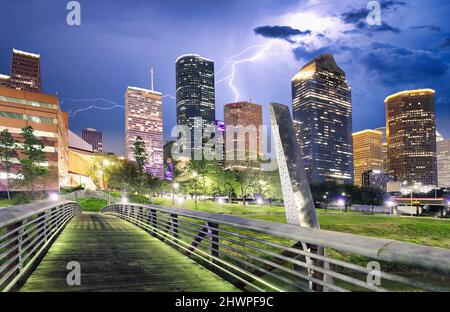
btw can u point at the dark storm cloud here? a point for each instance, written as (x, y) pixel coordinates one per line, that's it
(280, 32)
(426, 27)
(393, 65)
(358, 17)
(306, 52)
(445, 43)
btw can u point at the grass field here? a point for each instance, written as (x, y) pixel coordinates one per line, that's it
(92, 204)
(5, 203)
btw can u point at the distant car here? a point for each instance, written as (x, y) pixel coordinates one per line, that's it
(435, 211)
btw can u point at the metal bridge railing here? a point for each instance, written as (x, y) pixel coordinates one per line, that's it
(25, 232)
(266, 256)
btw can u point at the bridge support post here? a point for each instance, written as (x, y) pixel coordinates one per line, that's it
(213, 230)
(174, 227)
(141, 215)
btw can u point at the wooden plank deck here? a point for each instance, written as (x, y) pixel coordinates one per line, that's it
(117, 256)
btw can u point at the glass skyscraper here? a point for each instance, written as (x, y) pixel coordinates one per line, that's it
(322, 113)
(411, 136)
(195, 94)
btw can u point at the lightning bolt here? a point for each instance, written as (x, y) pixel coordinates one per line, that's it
(112, 105)
(234, 63)
(168, 96)
(251, 59)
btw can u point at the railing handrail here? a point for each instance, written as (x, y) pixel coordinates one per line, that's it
(13, 214)
(427, 257)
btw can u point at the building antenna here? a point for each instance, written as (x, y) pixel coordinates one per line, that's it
(152, 72)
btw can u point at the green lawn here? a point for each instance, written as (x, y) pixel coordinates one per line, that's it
(5, 203)
(92, 204)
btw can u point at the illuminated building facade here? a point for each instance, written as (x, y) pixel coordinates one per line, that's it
(322, 113)
(19, 109)
(411, 136)
(81, 160)
(143, 118)
(443, 162)
(248, 116)
(384, 148)
(367, 150)
(93, 137)
(195, 92)
(25, 72)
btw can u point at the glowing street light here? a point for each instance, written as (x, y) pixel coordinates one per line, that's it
(54, 197)
(341, 203)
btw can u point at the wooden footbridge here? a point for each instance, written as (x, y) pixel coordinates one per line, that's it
(134, 247)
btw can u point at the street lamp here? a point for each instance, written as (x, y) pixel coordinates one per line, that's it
(174, 187)
(195, 175)
(341, 203)
(54, 197)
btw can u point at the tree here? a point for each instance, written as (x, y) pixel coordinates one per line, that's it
(33, 150)
(7, 145)
(245, 182)
(122, 175)
(372, 196)
(141, 159)
(140, 154)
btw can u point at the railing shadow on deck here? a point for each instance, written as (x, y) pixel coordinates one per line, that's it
(267, 256)
(26, 233)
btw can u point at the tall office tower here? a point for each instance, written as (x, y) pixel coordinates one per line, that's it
(143, 118)
(249, 117)
(322, 113)
(367, 150)
(26, 71)
(443, 162)
(93, 137)
(19, 109)
(195, 92)
(384, 148)
(411, 136)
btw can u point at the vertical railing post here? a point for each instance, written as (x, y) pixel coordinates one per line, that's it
(141, 215)
(153, 218)
(213, 230)
(43, 227)
(174, 226)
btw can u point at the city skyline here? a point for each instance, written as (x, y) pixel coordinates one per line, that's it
(91, 67)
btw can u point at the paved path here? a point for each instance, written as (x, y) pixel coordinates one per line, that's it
(118, 256)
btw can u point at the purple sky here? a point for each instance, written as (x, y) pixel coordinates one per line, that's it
(264, 41)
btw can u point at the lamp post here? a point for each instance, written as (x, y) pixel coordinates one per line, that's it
(174, 187)
(195, 175)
